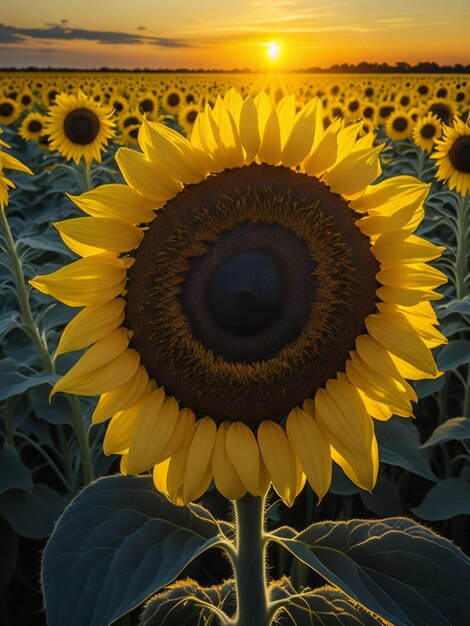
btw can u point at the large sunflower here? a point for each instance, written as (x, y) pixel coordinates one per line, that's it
(452, 156)
(251, 301)
(78, 127)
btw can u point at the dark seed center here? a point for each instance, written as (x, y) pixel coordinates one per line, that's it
(130, 121)
(246, 292)
(35, 126)
(6, 109)
(442, 112)
(81, 126)
(428, 131)
(400, 124)
(173, 99)
(147, 105)
(459, 154)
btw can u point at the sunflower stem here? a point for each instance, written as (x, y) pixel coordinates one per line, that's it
(22, 293)
(250, 563)
(461, 268)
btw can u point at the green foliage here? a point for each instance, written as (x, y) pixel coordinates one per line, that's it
(119, 542)
(394, 567)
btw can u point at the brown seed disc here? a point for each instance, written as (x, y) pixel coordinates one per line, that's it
(248, 292)
(81, 126)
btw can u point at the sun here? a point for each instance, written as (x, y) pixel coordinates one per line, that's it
(273, 50)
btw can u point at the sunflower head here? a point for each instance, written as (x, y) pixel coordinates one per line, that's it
(426, 131)
(78, 127)
(452, 156)
(32, 127)
(251, 301)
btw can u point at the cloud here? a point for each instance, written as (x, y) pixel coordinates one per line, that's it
(62, 32)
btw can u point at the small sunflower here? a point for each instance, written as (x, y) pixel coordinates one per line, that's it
(452, 156)
(129, 118)
(79, 128)
(148, 104)
(426, 131)
(399, 125)
(443, 108)
(32, 127)
(9, 162)
(9, 111)
(26, 99)
(187, 116)
(131, 135)
(119, 104)
(172, 100)
(251, 301)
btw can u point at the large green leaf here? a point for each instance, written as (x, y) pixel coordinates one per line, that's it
(456, 428)
(325, 606)
(394, 567)
(399, 444)
(13, 472)
(449, 497)
(185, 603)
(117, 543)
(34, 514)
(453, 355)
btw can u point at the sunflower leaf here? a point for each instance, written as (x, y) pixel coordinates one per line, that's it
(447, 498)
(325, 606)
(118, 543)
(394, 567)
(456, 428)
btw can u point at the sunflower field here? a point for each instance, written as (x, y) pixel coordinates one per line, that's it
(235, 316)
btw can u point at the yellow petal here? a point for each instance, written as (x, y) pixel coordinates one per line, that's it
(300, 140)
(381, 389)
(119, 201)
(376, 357)
(93, 280)
(394, 248)
(172, 152)
(11, 162)
(234, 103)
(311, 448)
(397, 335)
(119, 431)
(145, 176)
(377, 410)
(122, 397)
(270, 147)
(406, 219)
(198, 465)
(160, 475)
(185, 421)
(325, 153)
(102, 233)
(279, 460)
(89, 377)
(243, 452)
(152, 431)
(405, 296)
(249, 130)
(228, 135)
(90, 325)
(353, 173)
(391, 195)
(226, 479)
(343, 418)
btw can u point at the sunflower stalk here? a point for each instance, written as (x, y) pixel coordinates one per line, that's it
(39, 341)
(249, 564)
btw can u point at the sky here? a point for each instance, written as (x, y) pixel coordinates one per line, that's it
(213, 34)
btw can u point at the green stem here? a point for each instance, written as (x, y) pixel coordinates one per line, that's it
(22, 295)
(22, 292)
(461, 268)
(82, 438)
(250, 563)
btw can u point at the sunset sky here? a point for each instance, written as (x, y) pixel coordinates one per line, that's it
(215, 34)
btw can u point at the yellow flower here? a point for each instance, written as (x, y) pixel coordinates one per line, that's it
(452, 156)
(9, 111)
(252, 302)
(32, 127)
(78, 127)
(9, 162)
(426, 131)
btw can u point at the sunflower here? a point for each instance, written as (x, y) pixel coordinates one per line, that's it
(79, 128)
(26, 99)
(172, 100)
(426, 131)
(187, 116)
(130, 135)
(9, 162)
(9, 111)
(444, 109)
(251, 301)
(32, 127)
(130, 118)
(399, 125)
(148, 104)
(119, 104)
(452, 155)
